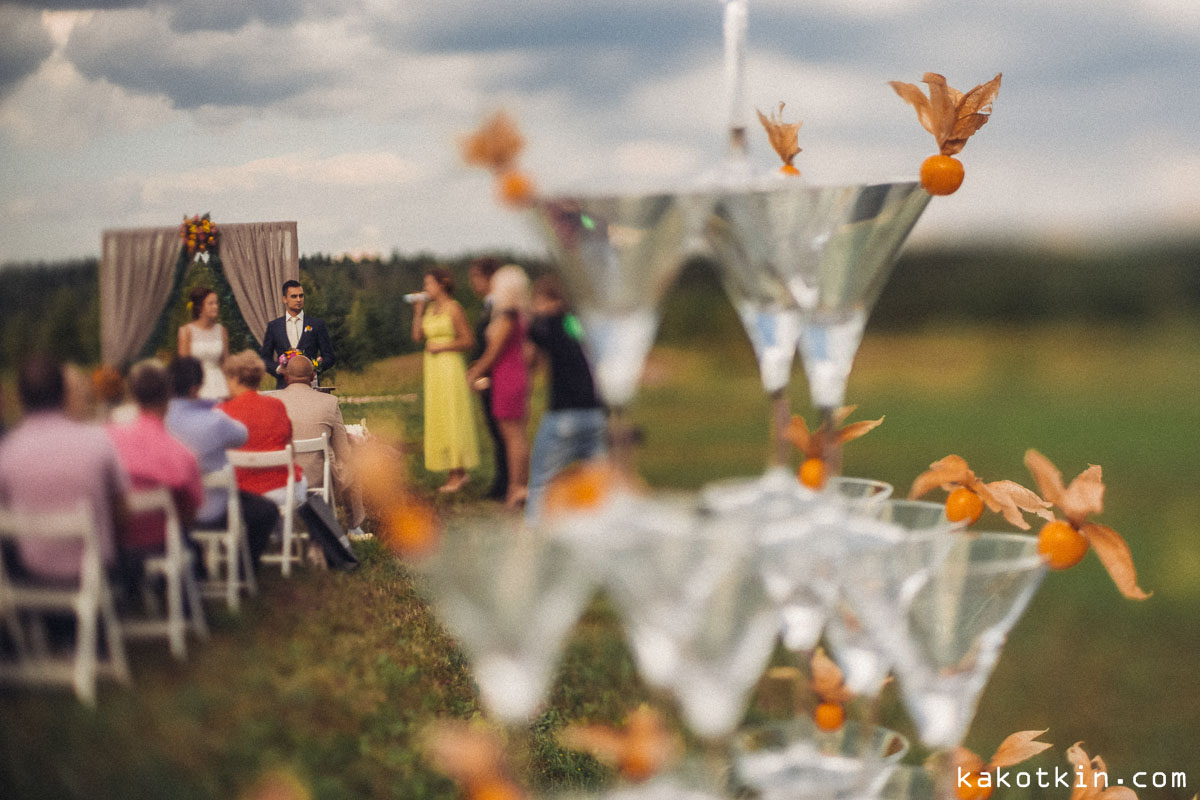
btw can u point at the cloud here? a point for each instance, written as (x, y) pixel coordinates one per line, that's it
(255, 65)
(24, 45)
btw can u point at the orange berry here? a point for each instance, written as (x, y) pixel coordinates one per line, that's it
(788, 169)
(941, 174)
(969, 789)
(515, 187)
(410, 529)
(495, 789)
(962, 504)
(580, 487)
(812, 473)
(829, 716)
(1060, 545)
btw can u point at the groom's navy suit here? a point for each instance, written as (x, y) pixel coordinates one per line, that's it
(314, 343)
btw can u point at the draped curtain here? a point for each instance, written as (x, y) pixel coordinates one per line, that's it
(137, 270)
(258, 258)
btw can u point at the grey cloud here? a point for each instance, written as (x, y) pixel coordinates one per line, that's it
(139, 53)
(24, 44)
(78, 5)
(231, 15)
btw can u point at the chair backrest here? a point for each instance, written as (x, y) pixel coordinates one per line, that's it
(70, 526)
(159, 499)
(318, 444)
(253, 459)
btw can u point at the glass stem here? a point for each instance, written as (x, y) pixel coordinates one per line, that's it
(779, 416)
(832, 452)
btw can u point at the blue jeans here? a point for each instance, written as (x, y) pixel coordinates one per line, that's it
(563, 437)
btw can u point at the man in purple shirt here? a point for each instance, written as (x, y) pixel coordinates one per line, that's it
(209, 432)
(52, 463)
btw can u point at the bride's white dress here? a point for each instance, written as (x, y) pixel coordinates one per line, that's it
(207, 346)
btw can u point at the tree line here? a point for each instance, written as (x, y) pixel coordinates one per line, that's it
(54, 307)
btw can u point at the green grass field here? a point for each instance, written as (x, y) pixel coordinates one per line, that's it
(328, 678)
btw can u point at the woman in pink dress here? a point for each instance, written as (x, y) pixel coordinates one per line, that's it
(506, 360)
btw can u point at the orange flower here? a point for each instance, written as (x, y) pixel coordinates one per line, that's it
(1086, 769)
(947, 113)
(1004, 497)
(638, 752)
(472, 757)
(783, 137)
(973, 779)
(1078, 501)
(813, 444)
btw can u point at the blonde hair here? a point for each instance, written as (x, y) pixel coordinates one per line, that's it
(245, 367)
(510, 290)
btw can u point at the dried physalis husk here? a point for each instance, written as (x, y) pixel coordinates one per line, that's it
(471, 756)
(951, 117)
(947, 113)
(784, 137)
(1078, 501)
(643, 749)
(1087, 783)
(812, 444)
(496, 146)
(972, 783)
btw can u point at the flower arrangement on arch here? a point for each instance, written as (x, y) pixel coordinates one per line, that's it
(199, 234)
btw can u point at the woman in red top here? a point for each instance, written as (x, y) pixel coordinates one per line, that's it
(267, 422)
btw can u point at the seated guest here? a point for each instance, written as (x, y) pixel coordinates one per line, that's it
(49, 462)
(208, 433)
(153, 458)
(267, 425)
(314, 413)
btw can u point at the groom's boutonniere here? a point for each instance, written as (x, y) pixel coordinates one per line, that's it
(307, 328)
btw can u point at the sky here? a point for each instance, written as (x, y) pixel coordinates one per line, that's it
(345, 115)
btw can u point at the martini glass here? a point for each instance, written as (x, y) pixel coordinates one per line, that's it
(510, 597)
(697, 616)
(618, 254)
(832, 249)
(864, 662)
(945, 629)
(794, 760)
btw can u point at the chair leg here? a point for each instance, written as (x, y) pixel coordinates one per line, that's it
(176, 625)
(118, 661)
(195, 604)
(86, 619)
(248, 565)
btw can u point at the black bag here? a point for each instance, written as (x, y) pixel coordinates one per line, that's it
(325, 530)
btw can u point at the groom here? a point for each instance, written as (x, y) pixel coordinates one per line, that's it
(294, 331)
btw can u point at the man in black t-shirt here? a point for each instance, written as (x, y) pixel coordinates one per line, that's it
(573, 427)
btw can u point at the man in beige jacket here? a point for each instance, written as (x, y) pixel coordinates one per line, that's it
(313, 413)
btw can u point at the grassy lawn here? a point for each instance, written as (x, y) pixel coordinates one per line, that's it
(326, 679)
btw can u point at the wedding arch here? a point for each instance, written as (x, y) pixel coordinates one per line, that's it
(142, 269)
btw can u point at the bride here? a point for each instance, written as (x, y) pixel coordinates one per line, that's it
(207, 340)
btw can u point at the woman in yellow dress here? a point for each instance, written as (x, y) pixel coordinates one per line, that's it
(439, 322)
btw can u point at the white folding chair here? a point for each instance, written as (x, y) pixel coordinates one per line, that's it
(319, 444)
(176, 566)
(25, 602)
(227, 557)
(293, 546)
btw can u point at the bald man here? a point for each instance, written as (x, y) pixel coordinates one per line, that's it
(313, 413)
